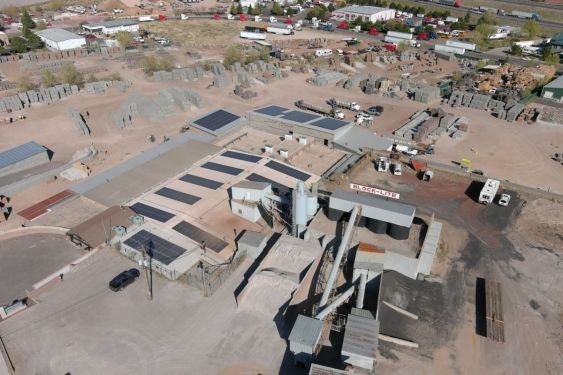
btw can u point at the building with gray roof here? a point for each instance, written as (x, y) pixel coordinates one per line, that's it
(360, 342)
(25, 156)
(304, 339)
(113, 26)
(60, 39)
(366, 13)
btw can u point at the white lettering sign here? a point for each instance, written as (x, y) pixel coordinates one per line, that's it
(375, 191)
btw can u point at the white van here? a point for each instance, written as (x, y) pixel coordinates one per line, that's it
(397, 169)
(323, 52)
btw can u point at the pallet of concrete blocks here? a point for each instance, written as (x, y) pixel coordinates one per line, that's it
(221, 80)
(79, 123)
(166, 106)
(480, 101)
(162, 76)
(236, 67)
(33, 97)
(218, 69)
(466, 99)
(325, 77)
(178, 97)
(244, 79)
(118, 119)
(514, 112)
(24, 98)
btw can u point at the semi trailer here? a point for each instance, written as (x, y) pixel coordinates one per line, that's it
(325, 111)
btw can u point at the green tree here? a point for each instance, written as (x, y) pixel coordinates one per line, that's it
(239, 8)
(516, 50)
(549, 56)
(331, 7)
(456, 76)
(233, 54)
(488, 18)
(124, 38)
(27, 21)
(420, 10)
(249, 10)
(48, 79)
(531, 28)
(233, 9)
(18, 44)
(92, 78)
(257, 10)
(289, 12)
(276, 9)
(482, 33)
(467, 18)
(403, 46)
(69, 74)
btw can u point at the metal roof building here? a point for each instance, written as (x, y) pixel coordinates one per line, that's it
(304, 338)
(218, 122)
(360, 341)
(252, 243)
(113, 26)
(25, 156)
(60, 39)
(554, 89)
(366, 13)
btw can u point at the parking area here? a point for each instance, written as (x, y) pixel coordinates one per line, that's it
(82, 327)
(28, 259)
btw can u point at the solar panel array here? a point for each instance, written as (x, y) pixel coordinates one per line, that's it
(222, 168)
(241, 156)
(200, 236)
(177, 195)
(299, 116)
(277, 188)
(329, 123)
(201, 181)
(216, 120)
(272, 110)
(152, 212)
(162, 250)
(288, 170)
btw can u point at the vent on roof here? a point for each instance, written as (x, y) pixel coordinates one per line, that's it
(119, 230)
(137, 219)
(284, 153)
(288, 137)
(269, 148)
(302, 140)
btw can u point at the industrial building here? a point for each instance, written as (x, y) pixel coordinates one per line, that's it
(113, 26)
(22, 157)
(554, 89)
(332, 132)
(366, 13)
(556, 42)
(378, 215)
(60, 39)
(218, 122)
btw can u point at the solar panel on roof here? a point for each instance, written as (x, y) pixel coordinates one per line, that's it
(152, 212)
(277, 188)
(273, 110)
(329, 123)
(299, 116)
(288, 170)
(177, 195)
(162, 250)
(222, 168)
(201, 181)
(200, 236)
(241, 156)
(216, 120)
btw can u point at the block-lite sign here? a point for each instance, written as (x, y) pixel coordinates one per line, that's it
(375, 191)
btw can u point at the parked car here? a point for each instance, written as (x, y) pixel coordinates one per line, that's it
(123, 279)
(504, 200)
(375, 110)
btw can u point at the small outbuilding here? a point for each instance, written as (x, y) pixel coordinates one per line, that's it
(304, 339)
(60, 39)
(360, 342)
(252, 243)
(554, 89)
(22, 157)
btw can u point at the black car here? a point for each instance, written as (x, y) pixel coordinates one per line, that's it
(123, 279)
(375, 110)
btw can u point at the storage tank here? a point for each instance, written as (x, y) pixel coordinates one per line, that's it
(398, 232)
(377, 226)
(300, 204)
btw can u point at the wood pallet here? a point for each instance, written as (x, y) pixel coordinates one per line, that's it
(494, 312)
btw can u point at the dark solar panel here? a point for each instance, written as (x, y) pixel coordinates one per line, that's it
(216, 120)
(299, 116)
(272, 110)
(277, 188)
(205, 182)
(153, 213)
(329, 123)
(288, 170)
(199, 236)
(241, 156)
(163, 251)
(222, 168)
(177, 195)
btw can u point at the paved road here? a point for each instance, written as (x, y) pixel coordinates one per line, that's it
(536, 4)
(29, 259)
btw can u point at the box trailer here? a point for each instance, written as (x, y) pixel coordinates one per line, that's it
(464, 45)
(449, 49)
(253, 35)
(280, 28)
(396, 34)
(525, 15)
(489, 191)
(397, 41)
(145, 19)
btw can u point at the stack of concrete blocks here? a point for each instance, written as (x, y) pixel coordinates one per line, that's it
(186, 74)
(370, 86)
(459, 128)
(248, 94)
(446, 122)
(445, 56)
(513, 112)
(495, 106)
(406, 131)
(404, 85)
(325, 77)
(100, 87)
(426, 94)
(183, 98)
(121, 119)
(480, 101)
(44, 95)
(355, 80)
(244, 79)
(79, 123)
(424, 129)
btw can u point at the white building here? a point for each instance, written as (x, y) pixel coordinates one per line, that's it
(366, 13)
(246, 198)
(61, 40)
(113, 26)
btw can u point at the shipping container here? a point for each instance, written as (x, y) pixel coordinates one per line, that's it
(464, 45)
(449, 49)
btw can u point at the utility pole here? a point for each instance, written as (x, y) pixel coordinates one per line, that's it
(148, 273)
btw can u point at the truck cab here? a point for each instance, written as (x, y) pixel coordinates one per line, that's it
(397, 169)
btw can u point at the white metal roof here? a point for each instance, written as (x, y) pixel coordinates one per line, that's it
(555, 84)
(58, 35)
(359, 9)
(306, 331)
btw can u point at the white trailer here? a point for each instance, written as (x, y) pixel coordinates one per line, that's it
(145, 19)
(323, 52)
(464, 45)
(397, 41)
(489, 191)
(396, 34)
(449, 49)
(252, 35)
(280, 28)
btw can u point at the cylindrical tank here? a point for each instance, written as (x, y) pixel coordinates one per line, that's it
(377, 226)
(335, 215)
(398, 232)
(300, 204)
(312, 206)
